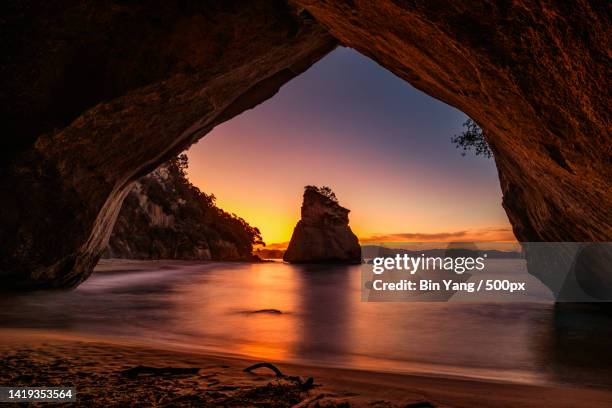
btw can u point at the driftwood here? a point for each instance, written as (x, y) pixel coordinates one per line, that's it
(145, 370)
(265, 365)
(305, 385)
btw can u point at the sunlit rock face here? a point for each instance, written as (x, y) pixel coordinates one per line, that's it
(96, 95)
(323, 234)
(533, 74)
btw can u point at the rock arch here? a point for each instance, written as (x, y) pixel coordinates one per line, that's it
(94, 96)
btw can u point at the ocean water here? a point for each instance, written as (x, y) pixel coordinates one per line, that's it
(314, 315)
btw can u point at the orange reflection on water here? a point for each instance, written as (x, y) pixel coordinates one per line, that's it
(275, 291)
(265, 309)
(321, 320)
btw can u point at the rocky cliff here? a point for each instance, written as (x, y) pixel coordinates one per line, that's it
(323, 234)
(165, 217)
(97, 94)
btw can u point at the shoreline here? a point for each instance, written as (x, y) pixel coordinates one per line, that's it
(113, 264)
(95, 365)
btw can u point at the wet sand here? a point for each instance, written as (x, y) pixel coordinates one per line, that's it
(97, 368)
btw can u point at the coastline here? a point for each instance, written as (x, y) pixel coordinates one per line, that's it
(94, 366)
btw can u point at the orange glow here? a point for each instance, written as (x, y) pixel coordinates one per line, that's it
(389, 206)
(382, 147)
(273, 294)
(274, 227)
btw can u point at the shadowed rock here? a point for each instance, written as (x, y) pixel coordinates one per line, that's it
(323, 234)
(532, 74)
(96, 95)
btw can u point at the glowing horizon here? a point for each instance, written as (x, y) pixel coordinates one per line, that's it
(381, 145)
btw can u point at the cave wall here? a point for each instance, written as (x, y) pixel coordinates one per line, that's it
(98, 94)
(95, 95)
(533, 74)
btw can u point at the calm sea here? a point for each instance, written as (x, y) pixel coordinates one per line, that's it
(314, 315)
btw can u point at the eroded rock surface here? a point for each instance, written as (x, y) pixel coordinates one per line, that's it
(533, 74)
(95, 95)
(323, 234)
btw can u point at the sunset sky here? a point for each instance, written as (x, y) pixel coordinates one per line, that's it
(381, 145)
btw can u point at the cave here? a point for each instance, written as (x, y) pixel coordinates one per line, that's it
(96, 96)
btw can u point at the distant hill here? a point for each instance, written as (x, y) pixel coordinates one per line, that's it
(265, 253)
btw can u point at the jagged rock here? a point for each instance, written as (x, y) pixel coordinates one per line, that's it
(96, 95)
(323, 234)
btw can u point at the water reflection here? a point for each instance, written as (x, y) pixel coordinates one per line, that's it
(315, 314)
(243, 309)
(576, 347)
(326, 313)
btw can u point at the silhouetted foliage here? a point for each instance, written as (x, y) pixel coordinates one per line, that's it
(324, 191)
(197, 221)
(230, 227)
(181, 163)
(472, 138)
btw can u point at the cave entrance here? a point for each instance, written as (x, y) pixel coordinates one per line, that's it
(383, 146)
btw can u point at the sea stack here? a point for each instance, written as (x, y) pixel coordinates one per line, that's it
(323, 234)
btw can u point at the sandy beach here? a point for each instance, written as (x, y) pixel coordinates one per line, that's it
(108, 373)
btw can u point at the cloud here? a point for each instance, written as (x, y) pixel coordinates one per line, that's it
(493, 234)
(477, 235)
(418, 236)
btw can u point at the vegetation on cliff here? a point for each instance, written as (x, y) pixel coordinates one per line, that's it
(472, 138)
(325, 191)
(166, 217)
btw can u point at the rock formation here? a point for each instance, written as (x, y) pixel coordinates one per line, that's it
(96, 95)
(164, 216)
(529, 73)
(323, 234)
